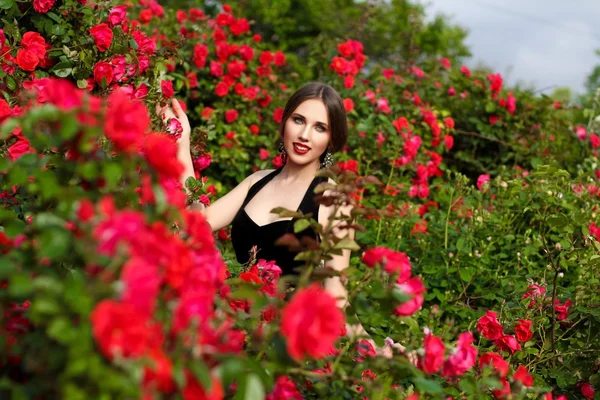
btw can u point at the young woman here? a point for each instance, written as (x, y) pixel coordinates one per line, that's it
(313, 127)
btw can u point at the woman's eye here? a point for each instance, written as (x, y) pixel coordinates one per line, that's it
(297, 120)
(321, 128)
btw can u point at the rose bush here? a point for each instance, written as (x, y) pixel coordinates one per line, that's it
(480, 230)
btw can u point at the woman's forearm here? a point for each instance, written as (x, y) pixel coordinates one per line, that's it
(185, 158)
(336, 288)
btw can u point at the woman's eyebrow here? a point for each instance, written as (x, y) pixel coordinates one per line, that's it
(302, 116)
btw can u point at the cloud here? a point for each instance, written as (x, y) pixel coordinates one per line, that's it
(543, 43)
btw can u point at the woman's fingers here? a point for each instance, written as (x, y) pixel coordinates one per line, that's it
(177, 107)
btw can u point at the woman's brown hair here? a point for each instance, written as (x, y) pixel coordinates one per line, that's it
(334, 104)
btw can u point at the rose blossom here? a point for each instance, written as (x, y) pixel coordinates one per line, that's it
(119, 329)
(489, 326)
(434, 354)
(523, 330)
(392, 261)
(42, 6)
(311, 323)
(103, 71)
(126, 121)
(463, 358)
(523, 376)
(285, 389)
(102, 35)
(116, 15)
(166, 87)
(498, 363)
(587, 390)
(508, 342)
(414, 288)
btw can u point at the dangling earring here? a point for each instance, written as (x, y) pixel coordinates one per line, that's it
(327, 160)
(282, 152)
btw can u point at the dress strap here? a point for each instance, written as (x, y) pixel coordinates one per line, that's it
(255, 188)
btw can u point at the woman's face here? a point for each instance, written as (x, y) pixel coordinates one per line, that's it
(306, 133)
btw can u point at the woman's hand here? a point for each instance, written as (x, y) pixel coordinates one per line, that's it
(389, 346)
(166, 113)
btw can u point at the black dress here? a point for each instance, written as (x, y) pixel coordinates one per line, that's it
(245, 233)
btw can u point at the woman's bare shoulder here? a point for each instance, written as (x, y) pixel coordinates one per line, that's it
(258, 175)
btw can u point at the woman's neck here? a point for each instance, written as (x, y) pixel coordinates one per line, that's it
(292, 173)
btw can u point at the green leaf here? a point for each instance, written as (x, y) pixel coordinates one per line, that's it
(10, 82)
(347, 243)
(252, 389)
(112, 173)
(7, 4)
(301, 225)
(62, 69)
(466, 274)
(54, 243)
(61, 329)
(58, 30)
(427, 386)
(7, 267)
(202, 374)
(20, 285)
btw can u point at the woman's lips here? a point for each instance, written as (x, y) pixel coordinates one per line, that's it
(301, 149)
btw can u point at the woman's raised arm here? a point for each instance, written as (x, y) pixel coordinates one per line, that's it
(221, 213)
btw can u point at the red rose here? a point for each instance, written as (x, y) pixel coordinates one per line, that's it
(117, 15)
(265, 58)
(498, 363)
(120, 330)
(523, 330)
(27, 60)
(311, 323)
(348, 105)
(522, 375)
(279, 58)
(463, 358)
(278, 115)
(231, 116)
(102, 35)
(19, 148)
(489, 326)
(42, 6)
(126, 121)
(166, 87)
(146, 15)
(194, 390)
(159, 373)
(221, 89)
(85, 212)
(103, 71)
(507, 342)
(415, 289)
(35, 43)
(448, 142)
(285, 389)
(239, 27)
(392, 261)
(142, 281)
(161, 153)
(434, 354)
(587, 390)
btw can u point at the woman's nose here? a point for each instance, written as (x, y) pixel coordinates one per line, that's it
(305, 133)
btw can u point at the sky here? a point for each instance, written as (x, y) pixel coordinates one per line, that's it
(542, 43)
